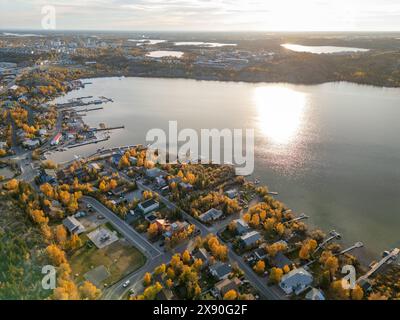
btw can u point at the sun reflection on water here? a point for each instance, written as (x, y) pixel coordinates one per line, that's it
(280, 113)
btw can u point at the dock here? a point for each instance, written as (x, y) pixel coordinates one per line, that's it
(87, 143)
(78, 102)
(392, 255)
(106, 129)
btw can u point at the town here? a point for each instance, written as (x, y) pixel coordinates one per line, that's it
(119, 226)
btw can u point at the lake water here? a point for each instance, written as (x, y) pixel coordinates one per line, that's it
(162, 54)
(321, 49)
(205, 44)
(147, 41)
(330, 150)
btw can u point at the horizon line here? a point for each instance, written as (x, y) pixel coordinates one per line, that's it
(211, 31)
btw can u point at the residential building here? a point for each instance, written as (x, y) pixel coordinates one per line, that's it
(250, 239)
(211, 215)
(231, 193)
(175, 228)
(155, 172)
(160, 181)
(260, 253)
(202, 254)
(133, 161)
(115, 159)
(280, 260)
(296, 281)
(186, 186)
(315, 294)
(31, 144)
(241, 226)
(220, 270)
(148, 206)
(226, 285)
(73, 225)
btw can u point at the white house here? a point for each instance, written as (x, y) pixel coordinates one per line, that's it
(296, 281)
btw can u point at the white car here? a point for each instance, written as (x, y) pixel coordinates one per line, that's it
(126, 283)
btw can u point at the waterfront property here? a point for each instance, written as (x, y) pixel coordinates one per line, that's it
(296, 281)
(297, 141)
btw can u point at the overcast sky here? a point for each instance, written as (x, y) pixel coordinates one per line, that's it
(205, 15)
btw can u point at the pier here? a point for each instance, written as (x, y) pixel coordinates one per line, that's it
(78, 102)
(87, 143)
(388, 258)
(106, 129)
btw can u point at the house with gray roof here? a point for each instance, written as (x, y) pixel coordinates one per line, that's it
(315, 294)
(73, 225)
(296, 281)
(250, 239)
(211, 215)
(220, 270)
(241, 226)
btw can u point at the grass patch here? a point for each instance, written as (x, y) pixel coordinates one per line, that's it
(119, 258)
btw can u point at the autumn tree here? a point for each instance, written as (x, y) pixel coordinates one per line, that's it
(186, 257)
(89, 291)
(246, 217)
(56, 255)
(66, 290)
(332, 264)
(275, 275)
(230, 295)
(74, 242)
(60, 235)
(259, 267)
(357, 293)
(307, 248)
(169, 283)
(48, 190)
(39, 217)
(151, 292)
(11, 185)
(153, 230)
(160, 269)
(286, 268)
(147, 279)
(338, 291)
(377, 296)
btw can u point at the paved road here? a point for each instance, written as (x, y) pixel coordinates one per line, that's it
(125, 229)
(271, 293)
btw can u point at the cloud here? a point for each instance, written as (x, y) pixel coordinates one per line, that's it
(206, 14)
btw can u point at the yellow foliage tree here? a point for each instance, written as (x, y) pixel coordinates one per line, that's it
(89, 291)
(56, 255)
(231, 295)
(259, 267)
(11, 185)
(61, 235)
(147, 279)
(275, 275)
(357, 293)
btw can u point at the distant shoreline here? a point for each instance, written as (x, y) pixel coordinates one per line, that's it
(114, 75)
